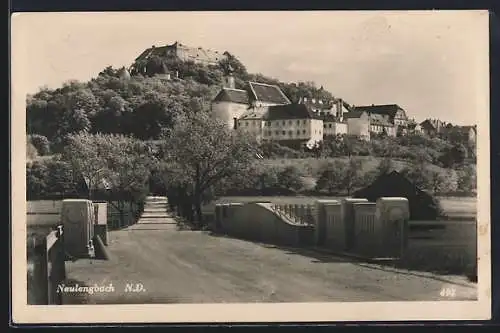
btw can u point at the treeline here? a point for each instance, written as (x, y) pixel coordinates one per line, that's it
(141, 105)
(188, 162)
(342, 177)
(412, 148)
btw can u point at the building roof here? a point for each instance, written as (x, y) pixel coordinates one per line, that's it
(422, 205)
(466, 128)
(268, 93)
(232, 95)
(385, 109)
(427, 125)
(354, 114)
(290, 111)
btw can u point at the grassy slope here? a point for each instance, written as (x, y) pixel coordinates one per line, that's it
(311, 167)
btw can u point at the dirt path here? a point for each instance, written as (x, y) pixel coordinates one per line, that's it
(194, 267)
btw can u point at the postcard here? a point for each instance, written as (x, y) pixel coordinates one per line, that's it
(243, 167)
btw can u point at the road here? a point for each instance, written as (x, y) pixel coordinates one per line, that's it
(184, 266)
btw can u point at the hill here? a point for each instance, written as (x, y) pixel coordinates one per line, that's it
(160, 89)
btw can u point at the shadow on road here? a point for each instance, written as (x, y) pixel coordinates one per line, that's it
(326, 258)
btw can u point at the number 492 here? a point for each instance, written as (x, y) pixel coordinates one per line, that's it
(448, 292)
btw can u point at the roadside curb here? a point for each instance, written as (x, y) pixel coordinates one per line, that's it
(396, 270)
(353, 256)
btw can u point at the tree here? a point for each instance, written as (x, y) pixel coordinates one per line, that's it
(41, 143)
(129, 168)
(467, 179)
(417, 175)
(31, 152)
(202, 151)
(385, 166)
(60, 178)
(289, 178)
(36, 180)
(436, 181)
(117, 162)
(331, 177)
(87, 156)
(352, 177)
(454, 155)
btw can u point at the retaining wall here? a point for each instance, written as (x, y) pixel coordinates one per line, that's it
(258, 221)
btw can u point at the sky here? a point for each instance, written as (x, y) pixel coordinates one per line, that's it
(433, 64)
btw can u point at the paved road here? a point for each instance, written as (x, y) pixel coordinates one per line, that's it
(176, 266)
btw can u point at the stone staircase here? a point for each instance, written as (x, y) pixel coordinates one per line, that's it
(155, 216)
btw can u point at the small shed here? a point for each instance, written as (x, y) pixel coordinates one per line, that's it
(423, 206)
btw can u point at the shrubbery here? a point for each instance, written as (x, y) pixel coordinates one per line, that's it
(41, 143)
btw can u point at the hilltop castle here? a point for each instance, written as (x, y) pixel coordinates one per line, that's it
(183, 52)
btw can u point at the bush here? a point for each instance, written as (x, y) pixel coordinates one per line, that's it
(290, 178)
(31, 152)
(467, 179)
(36, 180)
(48, 178)
(41, 143)
(331, 177)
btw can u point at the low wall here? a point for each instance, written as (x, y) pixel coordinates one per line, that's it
(329, 231)
(43, 212)
(45, 268)
(258, 221)
(361, 227)
(366, 232)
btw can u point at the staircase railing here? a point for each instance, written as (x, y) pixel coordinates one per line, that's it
(299, 214)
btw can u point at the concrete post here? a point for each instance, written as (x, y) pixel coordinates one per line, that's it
(77, 219)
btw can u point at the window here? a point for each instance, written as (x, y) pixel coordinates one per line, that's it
(289, 122)
(304, 121)
(298, 122)
(246, 123)
(319, 132)
(329, 125)
(324, 125)
(277, 132)
(298, 132)
(284, 132)
(303, 131)
(290, 133)
(284, 123)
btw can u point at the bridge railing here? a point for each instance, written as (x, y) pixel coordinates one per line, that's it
(299, 214)
(46, 268)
